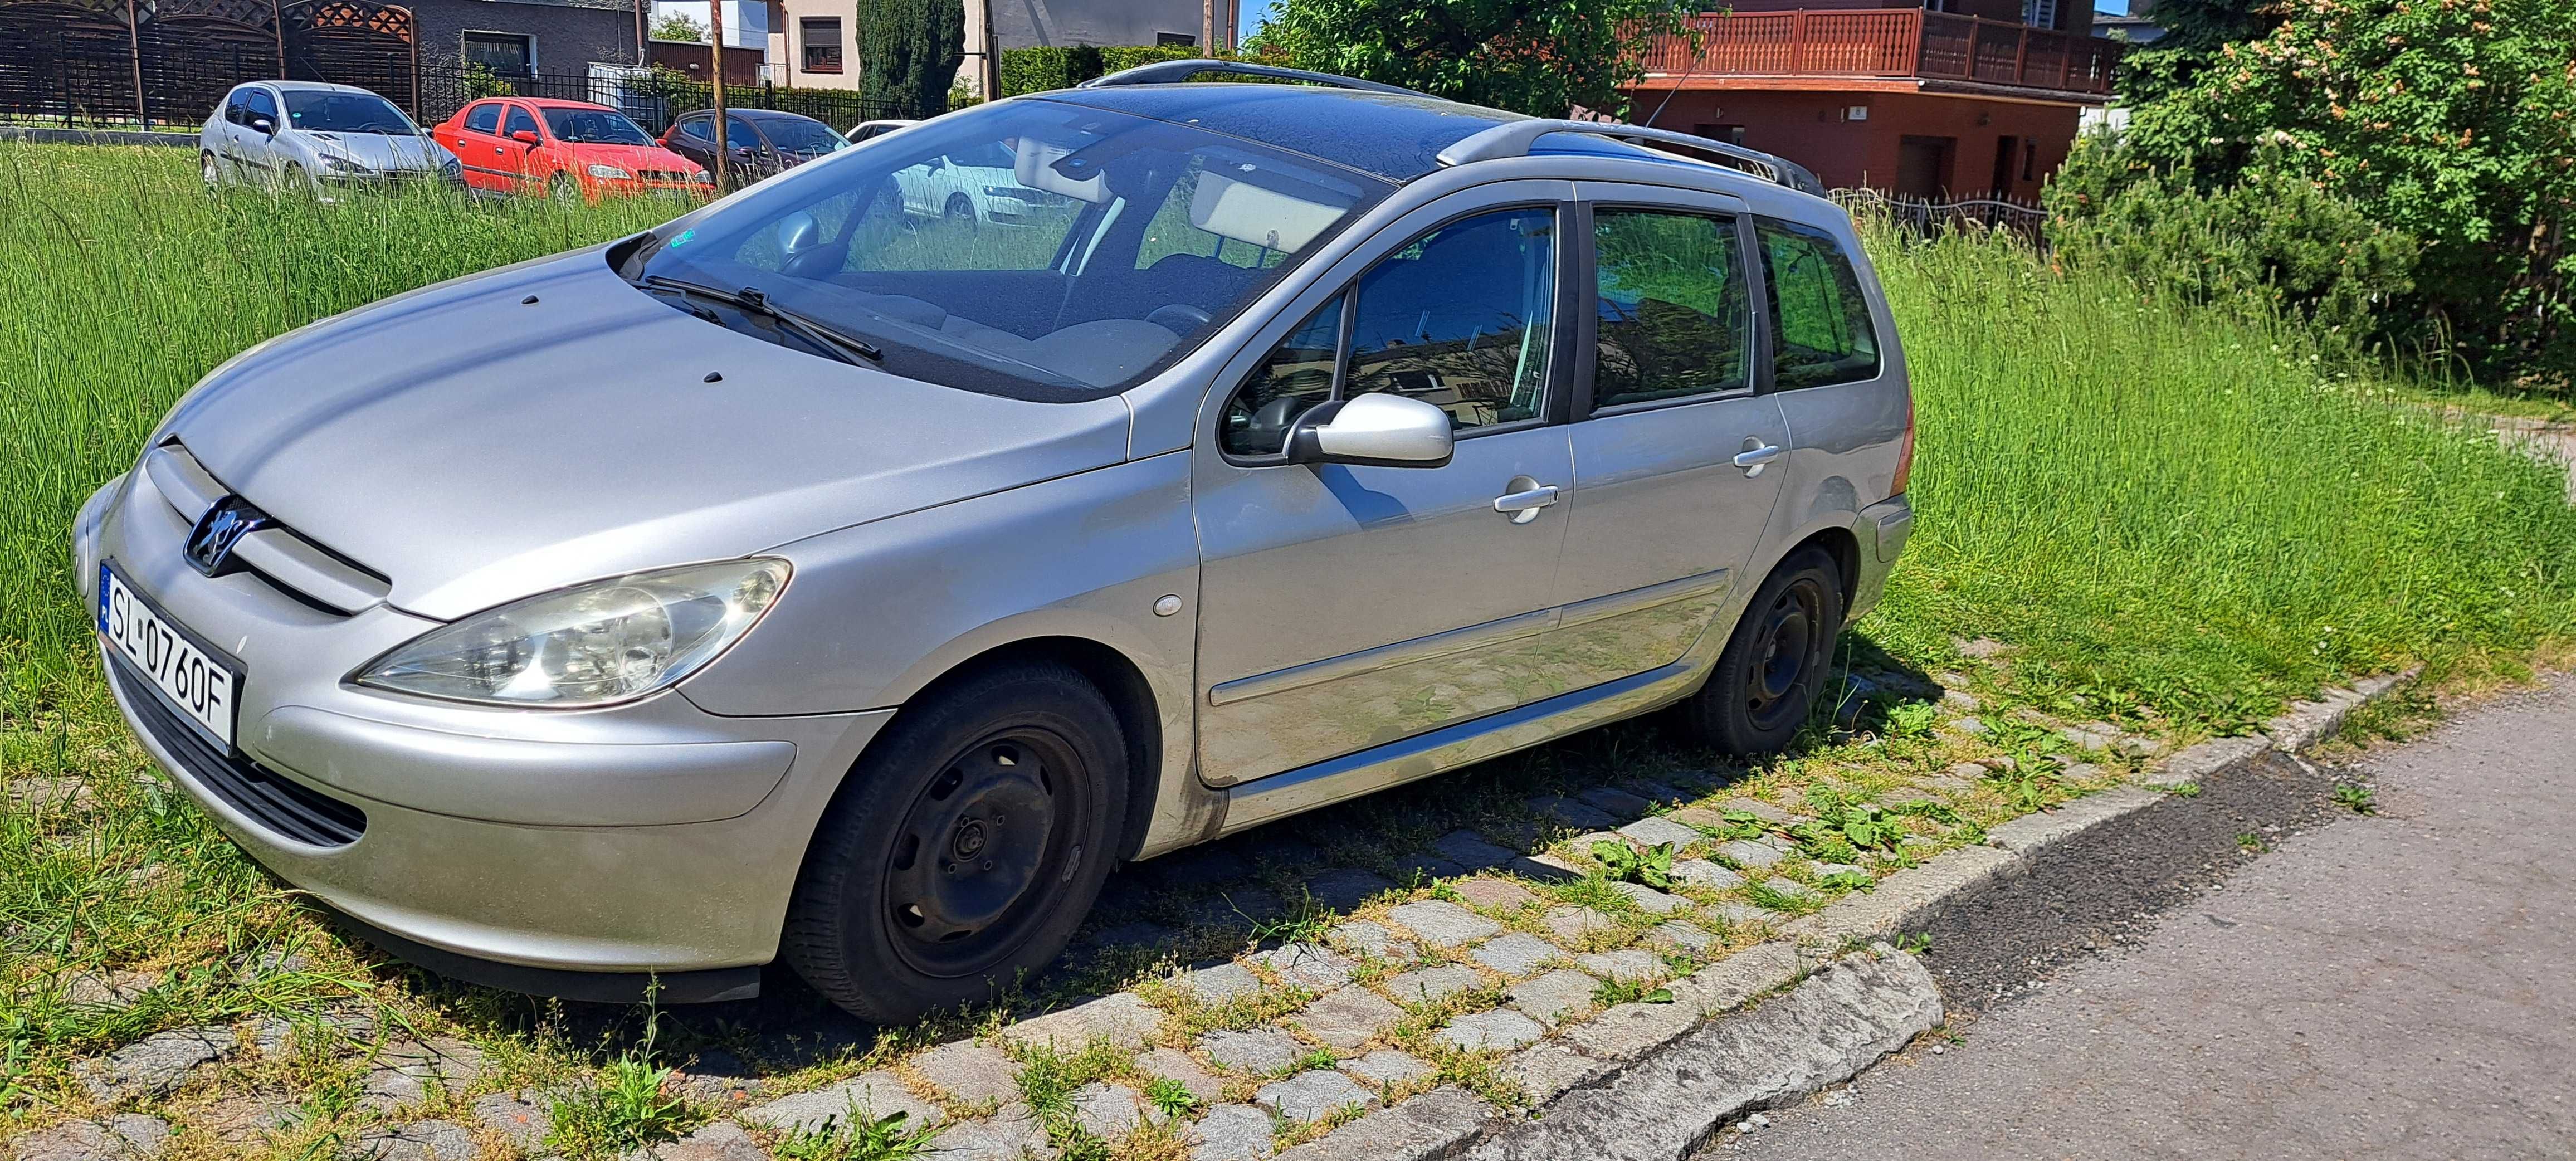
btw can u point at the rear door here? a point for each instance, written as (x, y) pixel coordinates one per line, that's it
(1678, 455)
(477, 146)
(694, 137)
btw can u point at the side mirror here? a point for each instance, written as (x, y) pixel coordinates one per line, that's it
(264, 126)
(1376, 430)
(525, 137)
(797, 233)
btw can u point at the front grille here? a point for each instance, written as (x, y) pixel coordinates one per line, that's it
(281, 804)
(660, 175)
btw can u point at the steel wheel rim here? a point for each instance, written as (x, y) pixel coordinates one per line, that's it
(1784, 650)
(970, 871)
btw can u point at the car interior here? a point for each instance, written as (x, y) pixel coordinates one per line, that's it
(1126, 246)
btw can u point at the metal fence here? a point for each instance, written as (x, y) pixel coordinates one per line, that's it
(651, 96)
(1927, 216)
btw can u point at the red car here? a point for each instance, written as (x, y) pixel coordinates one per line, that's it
(564, 149)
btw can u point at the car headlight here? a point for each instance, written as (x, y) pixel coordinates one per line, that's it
(702, 177)
(591, 644)
(342, 165)
(610, 172)
(1013, 192)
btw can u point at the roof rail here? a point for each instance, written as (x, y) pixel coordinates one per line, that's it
(1515, 138)
(1173, 71)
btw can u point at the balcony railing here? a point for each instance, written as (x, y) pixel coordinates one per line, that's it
(1886, 42)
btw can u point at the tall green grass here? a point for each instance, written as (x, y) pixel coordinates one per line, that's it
(123, 282)
(2176, 508)
(2188, 510)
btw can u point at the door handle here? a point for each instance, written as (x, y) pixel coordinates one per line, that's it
(1757, 453)
(1523, 505)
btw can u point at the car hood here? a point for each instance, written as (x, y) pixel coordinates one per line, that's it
(633, 158)
(378, 150)
(547, 423)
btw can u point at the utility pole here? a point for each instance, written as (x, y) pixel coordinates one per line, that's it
(988, 65)
(1207, 28)
(715, 24)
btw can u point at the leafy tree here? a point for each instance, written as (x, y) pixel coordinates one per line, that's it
(679, 26)
(2453, 121)
(909, 51)
(1542, 57)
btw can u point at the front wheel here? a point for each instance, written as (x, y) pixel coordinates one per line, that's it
(563, 189)
(961, 209)
(966, 846)
(1765, 683)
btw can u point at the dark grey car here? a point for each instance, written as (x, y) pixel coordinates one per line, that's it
(811, 578)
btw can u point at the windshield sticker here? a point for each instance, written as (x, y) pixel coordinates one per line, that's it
(683, 239)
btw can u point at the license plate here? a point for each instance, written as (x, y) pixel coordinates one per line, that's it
(193, 681)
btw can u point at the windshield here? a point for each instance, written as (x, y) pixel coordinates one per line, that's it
(797, 135)
(594, 127)
(1030, 248)
(346, 113)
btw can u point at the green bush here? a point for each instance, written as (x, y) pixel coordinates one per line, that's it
(2271, 240)
(1120, 57)
(1047, 67)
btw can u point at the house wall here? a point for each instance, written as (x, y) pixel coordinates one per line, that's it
(1030, 23)
(742, 65)
(565, 36)
(1811, 128)
(746, 21)
(787, 44)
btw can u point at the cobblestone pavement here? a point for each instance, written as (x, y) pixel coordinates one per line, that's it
(2395, 986)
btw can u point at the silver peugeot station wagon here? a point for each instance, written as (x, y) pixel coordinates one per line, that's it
(827, 578)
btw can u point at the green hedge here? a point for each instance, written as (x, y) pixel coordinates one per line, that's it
(1036, 70)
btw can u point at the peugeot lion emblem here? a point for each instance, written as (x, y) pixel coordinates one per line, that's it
(210, 543)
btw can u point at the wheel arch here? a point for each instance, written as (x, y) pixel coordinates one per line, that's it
(1118, 677)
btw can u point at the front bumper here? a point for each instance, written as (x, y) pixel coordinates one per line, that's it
(503, 846)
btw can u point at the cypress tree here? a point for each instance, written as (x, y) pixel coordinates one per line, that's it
(909, 51)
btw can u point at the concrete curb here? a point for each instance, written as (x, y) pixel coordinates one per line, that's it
(37, 135)
(1653, 1082)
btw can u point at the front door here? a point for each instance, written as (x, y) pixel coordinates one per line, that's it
(515, 152)
(1344, 607)
(1679, 463)
(1923, 166)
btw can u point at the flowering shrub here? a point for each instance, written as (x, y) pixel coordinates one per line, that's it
(2451, 120)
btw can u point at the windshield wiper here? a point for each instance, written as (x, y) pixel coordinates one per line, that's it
(750, 300)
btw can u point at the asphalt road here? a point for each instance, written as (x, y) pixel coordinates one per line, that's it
(2395, 986)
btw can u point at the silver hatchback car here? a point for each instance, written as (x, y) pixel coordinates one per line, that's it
(317, 138)
(810, 579)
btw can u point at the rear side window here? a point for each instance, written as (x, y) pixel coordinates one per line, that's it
(1674, 315)
(486, 118)
(1820, 332)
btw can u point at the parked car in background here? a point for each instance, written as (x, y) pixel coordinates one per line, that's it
(320, 138)
(763, 142)
(976, 186)
(865, 130)
(571, 150)
(806, 580)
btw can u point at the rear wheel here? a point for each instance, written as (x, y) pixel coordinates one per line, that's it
(1765, 683)
(966, 846)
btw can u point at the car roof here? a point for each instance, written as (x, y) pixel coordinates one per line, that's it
(310, 87)
(557, 103)
(1397, 136)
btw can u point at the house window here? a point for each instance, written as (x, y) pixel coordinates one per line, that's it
(507, 53)
(821, 36)
(1175, 40)
(2039, 13)
(1730, 134)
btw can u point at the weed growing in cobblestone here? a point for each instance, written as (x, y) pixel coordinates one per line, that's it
(858, 1137)
(1172, 1097)
(1652, 867)
(632, 1106)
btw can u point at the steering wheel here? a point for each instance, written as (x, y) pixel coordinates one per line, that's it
(1180, 318)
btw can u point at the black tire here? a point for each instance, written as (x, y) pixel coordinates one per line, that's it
(927, 885)
(1765, 683)
(563, 189)
(961, 208)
